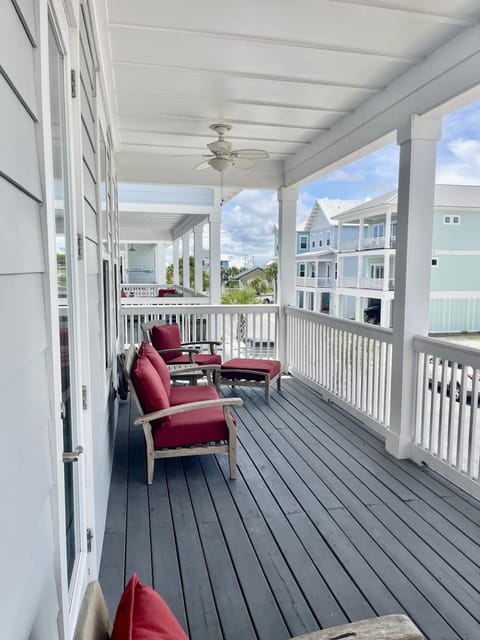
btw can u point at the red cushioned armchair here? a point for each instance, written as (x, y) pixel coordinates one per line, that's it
(178, 421)
(166, 340)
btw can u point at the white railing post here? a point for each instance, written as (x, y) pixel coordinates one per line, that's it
(186, 260)
(416, 186)
(287, 218)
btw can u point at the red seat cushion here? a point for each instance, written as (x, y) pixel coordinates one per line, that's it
(146, 349)
(272, 367)
(149, 387)
(192, 427)
(167, 336)
(196, 393)
(143, 615)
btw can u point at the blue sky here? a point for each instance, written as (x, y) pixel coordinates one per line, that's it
(248, 219)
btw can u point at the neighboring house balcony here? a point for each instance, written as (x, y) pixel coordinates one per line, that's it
(378, 242)
(376, 283)
(322, 282)
(348, 282)
(349, 245)
(306, 281)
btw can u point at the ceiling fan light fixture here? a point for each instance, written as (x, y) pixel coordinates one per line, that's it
(220, 163)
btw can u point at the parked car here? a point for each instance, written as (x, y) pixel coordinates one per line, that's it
(458, 381)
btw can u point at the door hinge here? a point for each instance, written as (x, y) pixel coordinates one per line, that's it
(73, 83)
(84, 397)
(80, 246)
(89, 540)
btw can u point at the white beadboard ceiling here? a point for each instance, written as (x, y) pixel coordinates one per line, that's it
(285, 74)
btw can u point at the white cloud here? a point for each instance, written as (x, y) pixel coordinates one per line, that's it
(464, 166)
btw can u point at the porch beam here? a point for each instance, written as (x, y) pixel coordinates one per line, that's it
(287, 223)
(443, 77)
(416, 186)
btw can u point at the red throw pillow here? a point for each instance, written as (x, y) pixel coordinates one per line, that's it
(167, 336)
(143, 615)
(149, 387)
(158, 362)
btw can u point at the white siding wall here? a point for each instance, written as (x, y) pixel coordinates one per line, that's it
(29, 601)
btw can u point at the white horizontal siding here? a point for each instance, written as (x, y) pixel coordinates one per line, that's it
(18, 158)
(21, 250)
(16, 55)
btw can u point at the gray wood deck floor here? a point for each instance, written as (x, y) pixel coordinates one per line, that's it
(320, 528)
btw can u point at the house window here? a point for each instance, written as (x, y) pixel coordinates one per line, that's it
(313, 243)
(434, 262)
(329, 238)
(320, 240)
(376, 271)
(303, 242)
(300, 299)
(378, 230)
(301, 270)
(451, 219)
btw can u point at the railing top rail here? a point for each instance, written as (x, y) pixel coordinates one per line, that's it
(360, 328)
(201, 308)
(468, 356)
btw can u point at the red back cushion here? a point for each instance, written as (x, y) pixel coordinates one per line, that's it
(158, 362)
(143, 615)
(149, 387)
(167, 336)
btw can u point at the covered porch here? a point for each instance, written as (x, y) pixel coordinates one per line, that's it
(321, 527)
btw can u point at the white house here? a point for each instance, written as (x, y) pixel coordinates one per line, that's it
(366, 264)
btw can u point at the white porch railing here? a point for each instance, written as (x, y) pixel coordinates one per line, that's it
(349, 245)
(323, 281)
(447, 420)
(349, 361)
(349, 282)
(373, 243)
(371, 283)
(245, 331)
(307, 281)
(142, 290)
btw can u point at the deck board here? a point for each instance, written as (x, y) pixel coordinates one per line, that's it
(320, 528)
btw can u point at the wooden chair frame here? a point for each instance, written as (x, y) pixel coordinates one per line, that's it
(93, 624)
(152, 454)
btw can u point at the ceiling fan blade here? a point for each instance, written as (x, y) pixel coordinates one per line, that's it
(242, 163)
(203, 165)
(253, 154)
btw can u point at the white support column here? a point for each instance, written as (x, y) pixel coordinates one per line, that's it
(385, 312)
(160, 263)
(186, 260)
(287, 242)
(360, 233)
(386, 270)
(388, 229)
(214, 243)
(198, 258)
(176, 257)
(416, 187)
(359, 308)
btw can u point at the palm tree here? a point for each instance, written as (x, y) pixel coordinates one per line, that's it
(271, 273)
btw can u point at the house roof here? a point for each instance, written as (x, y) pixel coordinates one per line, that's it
(447, 196)
(328, 208)
(249, 273)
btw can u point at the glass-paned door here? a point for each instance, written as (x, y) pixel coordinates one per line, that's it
(64, 293)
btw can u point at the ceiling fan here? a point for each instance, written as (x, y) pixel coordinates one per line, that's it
(224, 156)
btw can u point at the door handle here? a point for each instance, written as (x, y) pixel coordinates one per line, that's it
(72, 456)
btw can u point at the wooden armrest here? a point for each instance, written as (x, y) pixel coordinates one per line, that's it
(393, 627)
(189, 406)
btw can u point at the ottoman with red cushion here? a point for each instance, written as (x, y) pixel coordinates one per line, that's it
(251, 372)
